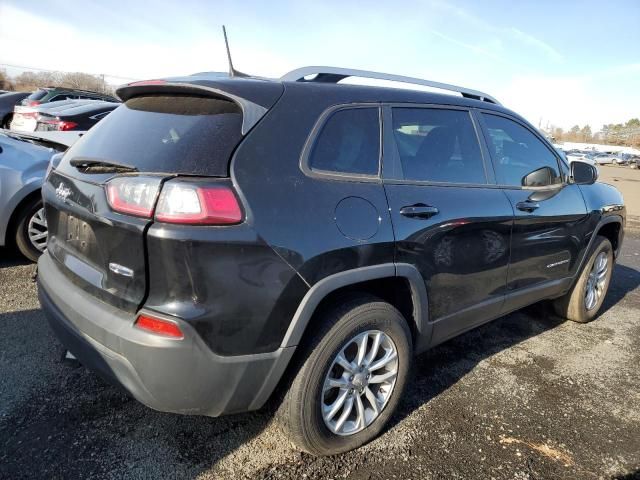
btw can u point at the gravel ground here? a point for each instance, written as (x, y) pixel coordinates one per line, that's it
(525, 397)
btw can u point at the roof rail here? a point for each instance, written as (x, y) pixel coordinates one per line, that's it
(335, 74)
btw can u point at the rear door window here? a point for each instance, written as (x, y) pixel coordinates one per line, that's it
(166, 134)
(349, 143)
(437, 145)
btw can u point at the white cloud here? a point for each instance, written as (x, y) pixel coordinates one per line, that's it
(564, 101)
(530, 40)
(508, 34)
(120, 58)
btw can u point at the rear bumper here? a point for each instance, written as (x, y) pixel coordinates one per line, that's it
(180, 376)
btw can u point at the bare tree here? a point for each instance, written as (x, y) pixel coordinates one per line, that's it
(5, 81)
(28, 81)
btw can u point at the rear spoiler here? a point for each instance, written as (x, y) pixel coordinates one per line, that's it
(251, 112)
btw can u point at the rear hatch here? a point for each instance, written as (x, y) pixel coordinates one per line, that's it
(100, 198)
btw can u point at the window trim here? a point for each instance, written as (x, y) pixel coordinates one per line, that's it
(487, 139)
(394, 154)
(313, 138)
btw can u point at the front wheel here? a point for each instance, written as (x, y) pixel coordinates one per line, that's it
(352, 379)
(582, 303)
(31, 230)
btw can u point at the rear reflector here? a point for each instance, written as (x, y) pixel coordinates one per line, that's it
(159, 326)
(133, 195)
(201, 205)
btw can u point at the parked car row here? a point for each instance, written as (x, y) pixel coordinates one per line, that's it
(64, 115)
(602, 158)
(53, 108)
(37, 126)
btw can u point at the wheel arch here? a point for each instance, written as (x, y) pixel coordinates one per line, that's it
(399, 284)
(611, 228)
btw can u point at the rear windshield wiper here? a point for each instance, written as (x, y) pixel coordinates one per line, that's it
(87, 165)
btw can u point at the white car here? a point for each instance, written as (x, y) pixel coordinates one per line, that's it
(25, 118)
(608, 159)
(583, 157)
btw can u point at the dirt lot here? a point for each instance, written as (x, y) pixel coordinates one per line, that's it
(525, 397)
(626, 180)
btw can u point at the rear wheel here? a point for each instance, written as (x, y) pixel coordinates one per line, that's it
(31, 230)
(354, 372)
(582, 303)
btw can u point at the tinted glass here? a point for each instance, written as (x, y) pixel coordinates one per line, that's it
(348, 143)
(437, 145)
(517, 152)
(37, 95)
(175, 134)
(57, 98)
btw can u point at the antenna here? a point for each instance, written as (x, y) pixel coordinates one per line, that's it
(232, 71)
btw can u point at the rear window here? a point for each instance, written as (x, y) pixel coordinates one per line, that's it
(349, 143)
(174, 134)
(37, 95)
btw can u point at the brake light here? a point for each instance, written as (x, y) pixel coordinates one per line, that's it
(65, 126)
(33, 103)
(59, 125)
(133, 195)
(159, 326)
(181, 202)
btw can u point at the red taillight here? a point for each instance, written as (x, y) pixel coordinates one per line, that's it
(56, 124)
(65, 126)
(133, 195)
(202, 205)
(159, 326)
(33, 103)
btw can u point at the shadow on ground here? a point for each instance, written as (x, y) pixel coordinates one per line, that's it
(9, 257)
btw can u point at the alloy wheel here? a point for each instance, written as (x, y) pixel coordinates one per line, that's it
(359, 382)
(37, 230)
(596, 281)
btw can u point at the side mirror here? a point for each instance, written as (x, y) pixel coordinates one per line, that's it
(583, 173)
(542, 177)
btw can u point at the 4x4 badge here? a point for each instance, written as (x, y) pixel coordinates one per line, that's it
(63, 191)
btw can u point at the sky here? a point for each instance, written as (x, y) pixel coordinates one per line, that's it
(558, 62)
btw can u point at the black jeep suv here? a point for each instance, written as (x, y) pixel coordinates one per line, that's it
(215, 238)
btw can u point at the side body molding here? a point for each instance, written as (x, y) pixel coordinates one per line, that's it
(331, 283)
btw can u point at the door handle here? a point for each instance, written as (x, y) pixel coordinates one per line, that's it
(419, 211)
(527, 206)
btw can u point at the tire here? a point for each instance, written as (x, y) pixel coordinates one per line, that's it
(307, 402)
(6, 122)
(25, 217)
(576, 305)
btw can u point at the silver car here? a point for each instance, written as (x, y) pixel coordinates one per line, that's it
(23, 164)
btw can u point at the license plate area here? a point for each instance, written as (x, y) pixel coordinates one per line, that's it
(79, 235)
